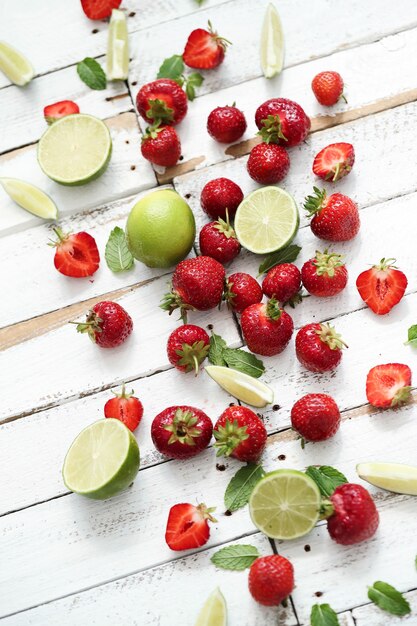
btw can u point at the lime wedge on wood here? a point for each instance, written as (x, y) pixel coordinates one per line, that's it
(395, 477)
(117, 61)
(272, 43)
(30, 197)
(242, 386)
(214, 611)
(15, 65)
(102, 461)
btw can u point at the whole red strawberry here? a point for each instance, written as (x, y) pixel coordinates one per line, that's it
(226, 124)
(76, 255)
(353, 515)
(240, 433)
(218, 195)
(382, 286)
(218, 240)
(318, 347)
(126, 408)
(328, 88)
(334, 217)
(315, 417)
(334, 161)
(241, 291)
(187, 347)
(282, 121)
(268, 163)
(388, 385)
(161, 145)
(180, 432)
(107, 324)
(283, 283)
(187, 526)
(271, 579)
(162, 100)
(55, 111)
(99, 9)
(267, 329)
(204, 49)
(324, 275)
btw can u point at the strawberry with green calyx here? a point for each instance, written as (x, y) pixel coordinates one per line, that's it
(108, 324)
(124, 407)
(271, 130)
(319, 347)
(267, 328)
(218, 240)
(241, 290)
(204, 49)
(187, 347)
(162, 100)
(324, 275)
(180, 432)
(161, 145)
(334, 217)
(240, 433)
(282, 121)
(76, 254)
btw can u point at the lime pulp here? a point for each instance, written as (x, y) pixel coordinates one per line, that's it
(30, 197)
(272, 43)
(117, 61)
(241, 386)
(214, 611)
(15, 65)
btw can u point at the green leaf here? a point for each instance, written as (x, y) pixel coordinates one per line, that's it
(326, 477)
(215, 354)
(172, 67)
(192, 81)
(412, 336)
(117, 254)
(287, 255)
(92, 74)
(240, 487)
(199, 2)
(323, 615)
(236, 557)
(243, 361)
(388, 598)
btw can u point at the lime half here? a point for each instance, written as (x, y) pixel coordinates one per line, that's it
(214, 611)
(242, 386)
(395, 477)
(117, 61)
(272, 43)
(16, 66)
(266, 220)
(102, 461)
(75, 150)
(30, 198)
(285, 504)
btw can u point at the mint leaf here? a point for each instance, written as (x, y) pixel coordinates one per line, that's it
(192, 81)
(236, 557)
(240, 487)
(215, 354)
(287, 255)
(117, 254)
(323, 615)
(92, 74)
(172, 67)
(388, 598)
(243, 361)
(327, 478)
(412, 336)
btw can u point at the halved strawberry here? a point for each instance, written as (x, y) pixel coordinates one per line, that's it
(99, 9)
(187, 526)
(204, 49)
(55, 111)
(388, 385)
(334, 161)
(76, 255)
(382, 286)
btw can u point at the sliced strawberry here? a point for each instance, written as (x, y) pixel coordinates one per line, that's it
(76, 255)
(204, 49)
(55, 111)
(99, 9)
(187, 526)
(388, 385)
(382, 286)
(334, 161)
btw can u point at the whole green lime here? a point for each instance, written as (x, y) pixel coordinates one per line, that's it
(160, 229)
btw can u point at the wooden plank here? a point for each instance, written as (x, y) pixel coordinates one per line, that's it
(371, 615)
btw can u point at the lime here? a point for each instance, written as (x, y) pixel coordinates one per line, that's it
(160, 229)
(214, 611)
(285, 504)
(395, 477)
(272, 43)
(117, 61)
(30, 198)
(75, 149)
(266, 220)
(16, 66)
(242, 386)
(102, 461)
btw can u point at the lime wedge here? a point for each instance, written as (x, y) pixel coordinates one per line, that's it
(242, 386)
(266, 220)
(16, 66)
(117, 61)
(285, 504)
(102, 461)
(395, 477)
(30, 198)
(272, 43)
(214, 611)
(75, 150)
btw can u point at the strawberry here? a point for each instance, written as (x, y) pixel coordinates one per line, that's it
(107, 324)
(126, 408)
(240, 433)
(218, 195)
(334, 161)
(268, 163)
(187, 347)
(204, 49)
(334, 217)
(162, 100)
(99, 9)
(382, 286)
(241, 291)
(267, 329)
(388, 385)
(283, 283)
(55, 111)
(226, 124)
(325, 275)
(271, 579)
(318, 347)
(351, 514)
(161, 145)
(315, 417)
(187, 526)
(180, 432)
(76, 255)
(328, 88)
(218, 240)
(282, 121)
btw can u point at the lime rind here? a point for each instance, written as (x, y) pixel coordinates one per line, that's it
(117, 61)
(241, 386)
(214, 610)
(30, 198)
(15, 65)
(272, 43)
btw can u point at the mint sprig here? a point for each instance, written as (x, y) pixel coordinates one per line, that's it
(388, 598)
(287, 255)
(236, 557)
(117, 254)
(215, 354)
(92, 74)
(412, 336)
(327, 478)
(239, 489)
(173, 67)
(237, 359)
(323, 615)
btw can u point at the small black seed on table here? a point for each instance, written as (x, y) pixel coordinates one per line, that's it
(228, 513)
(127, 141)
(318, 594)
(133, 167)
(307, 548)
(282, 457)
(188, 195)
(181, 158)
(134, 82)
(220, 467)
(276, 407)
(209, 326)
(132, 14)
(94, 31)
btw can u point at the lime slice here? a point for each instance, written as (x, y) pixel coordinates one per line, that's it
(395, 477)
(30, 198)
(266, 220)
(214, 611)
(242, 386)
(102, 461)
(16, 66)
(75, 149)
(285, 504)
(117, 61)
(272, 43)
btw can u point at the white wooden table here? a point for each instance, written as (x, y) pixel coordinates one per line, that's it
(69, 561)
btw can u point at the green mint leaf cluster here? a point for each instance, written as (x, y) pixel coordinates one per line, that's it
(327, 478)
(237, 359)
(92, 74)
(173, 68)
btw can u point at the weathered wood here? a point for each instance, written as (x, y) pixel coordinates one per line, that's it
(371, 615)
